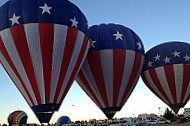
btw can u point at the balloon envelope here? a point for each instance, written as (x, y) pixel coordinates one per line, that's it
(63, 120)
(166, 73)
(17, 117)
(112, 67)
(42, 46)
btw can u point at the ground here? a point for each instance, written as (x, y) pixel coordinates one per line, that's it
(173, 124)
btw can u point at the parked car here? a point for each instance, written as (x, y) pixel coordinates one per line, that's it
(120, 123)
(152, 122)
(168, 121)
(143, 122)
(186, 120)
(161, 121)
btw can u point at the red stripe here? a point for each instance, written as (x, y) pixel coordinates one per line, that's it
(47, 39)
(95, 66)
(133, 76)
(23, 50)
(169, 71)
(187, 99)
(69, 46)
(90, 91)
(118, 68)
(156, 81)
(186, 81)
(6, 55)
(15, 117)
(148, 85)
(76, 67)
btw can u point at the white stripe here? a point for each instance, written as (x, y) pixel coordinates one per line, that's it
(60, 34)
(106, 58)
(14, 77)
(74, 58)
(136, 79)
(85, 55)
(178, 71)
(12, 51)
(163, 80)
(187, 93)
(129, 61)
(149, 79)
(89, 77)
(33, 40)
(81, 83)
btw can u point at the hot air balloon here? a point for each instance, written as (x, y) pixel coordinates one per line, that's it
(166, 73)
(63, 120)
(112, 67)
(17, 118)
(42, 46)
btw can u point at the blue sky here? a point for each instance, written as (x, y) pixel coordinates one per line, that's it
(155, 22)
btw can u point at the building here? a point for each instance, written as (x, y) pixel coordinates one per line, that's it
(146, 116)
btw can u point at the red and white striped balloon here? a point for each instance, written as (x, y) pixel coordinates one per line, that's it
(166, 73)
(42, 46)
(112, 67)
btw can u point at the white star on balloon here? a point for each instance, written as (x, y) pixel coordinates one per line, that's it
(187, 58)
(92, 43)
(150, 63)
(167, 60)
(118, 36)
(74, 22)
(139, 45)
(176, 54)
(14, 19)
(45, 9)
(157, 57)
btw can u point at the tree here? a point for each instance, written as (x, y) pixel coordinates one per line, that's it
(168, 114)
(92, 121)
(77, 122)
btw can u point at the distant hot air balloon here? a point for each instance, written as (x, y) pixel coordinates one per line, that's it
(63, 120)
(112, 67)
(166, 73)
(17, 117)
(42, 46)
